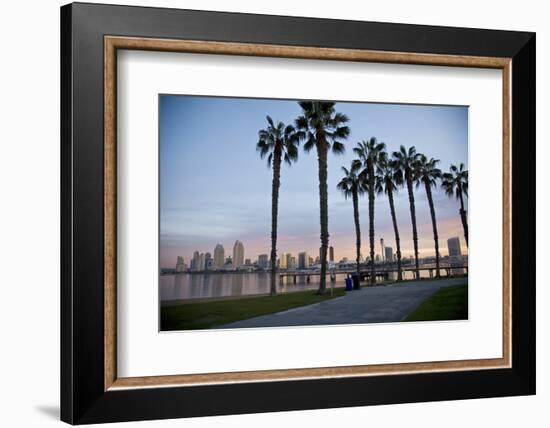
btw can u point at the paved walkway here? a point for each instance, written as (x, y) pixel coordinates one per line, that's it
(369, 305)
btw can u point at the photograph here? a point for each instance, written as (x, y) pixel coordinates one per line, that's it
(285, 213)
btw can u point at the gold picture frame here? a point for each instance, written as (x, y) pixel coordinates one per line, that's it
(114, 43)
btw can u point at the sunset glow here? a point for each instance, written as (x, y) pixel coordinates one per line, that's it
(214, 188)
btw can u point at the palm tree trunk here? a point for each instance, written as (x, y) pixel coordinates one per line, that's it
(463, 217)
(434, 227)
(413, 220)
(323, 205)
(357, 230)
(396, 232)
(371, 221)
(274, 214)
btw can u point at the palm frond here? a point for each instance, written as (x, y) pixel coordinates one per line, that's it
(263, 147)
(455, 182)
(310, 143)
(320, 123)
(341, 132)
(356, 165)
(278, 138)
(301, 123)
(338, 148)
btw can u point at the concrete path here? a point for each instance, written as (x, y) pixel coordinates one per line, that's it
(369, 305)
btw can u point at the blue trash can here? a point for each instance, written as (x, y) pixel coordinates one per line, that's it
(349, 284)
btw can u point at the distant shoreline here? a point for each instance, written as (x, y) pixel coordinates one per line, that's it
(340, 270)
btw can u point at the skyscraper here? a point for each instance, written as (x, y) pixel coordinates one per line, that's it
(290, 262)
(202, 264)
(303, 260)
(331, 254)
(263, 261)
(453, 244)
(383, 247)
(455, 255)
(196, 262)
(208, 261)
(389, 254)
(219, 256)
(283, 261)
(238, 254)
(180, 266)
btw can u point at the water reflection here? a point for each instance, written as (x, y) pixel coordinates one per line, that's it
(203, 286)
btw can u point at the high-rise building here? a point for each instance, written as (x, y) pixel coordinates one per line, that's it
(196, 261)
(330, 254)
(388, 252)
(180, 266)
(283, 261)
(263, 261)
(247, 262)
(453, 244)
(455, 255)
(292, 263)
(238, 254)
(208, 261)
(303, 260)
(377, 258)
(219, 256)
(202, 263)
(382, 247)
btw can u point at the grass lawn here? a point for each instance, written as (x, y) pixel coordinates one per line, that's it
(193, 316)
(449, 303)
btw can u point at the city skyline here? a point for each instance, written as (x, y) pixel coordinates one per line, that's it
(221, 134)
(454, 248)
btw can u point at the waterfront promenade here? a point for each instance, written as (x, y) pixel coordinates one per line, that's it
(369, 305)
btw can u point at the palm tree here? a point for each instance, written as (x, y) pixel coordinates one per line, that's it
(279, 143)
(388, 180)
(428, 173)
(405, 160)
(456, 182)
(352, 185)
(371, 153)
(321, 127)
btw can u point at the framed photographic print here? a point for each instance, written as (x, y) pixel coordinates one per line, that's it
(266, 213)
